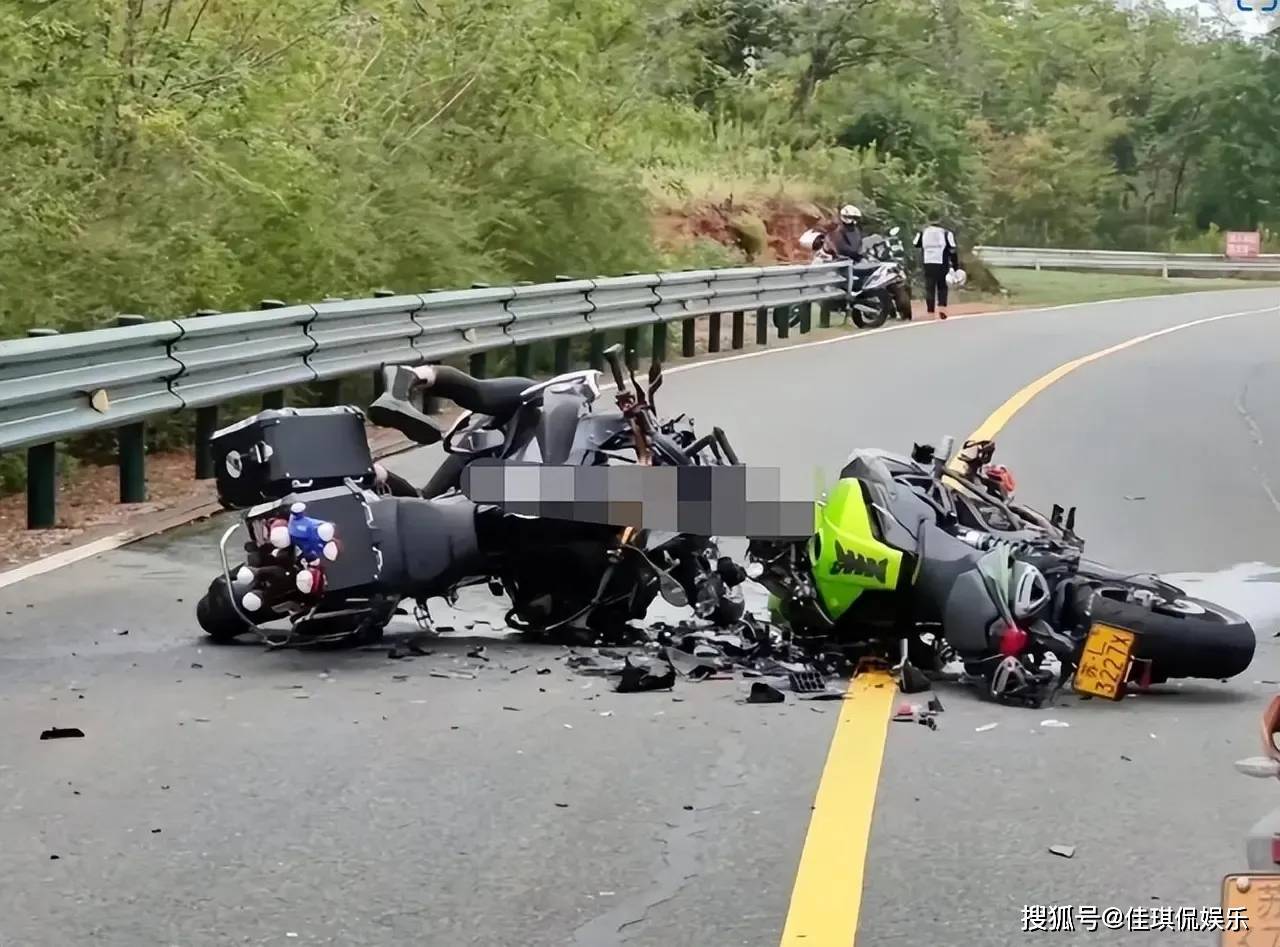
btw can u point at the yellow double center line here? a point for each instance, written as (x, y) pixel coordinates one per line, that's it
(828, 890)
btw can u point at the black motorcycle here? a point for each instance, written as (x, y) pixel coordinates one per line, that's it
(336, 542)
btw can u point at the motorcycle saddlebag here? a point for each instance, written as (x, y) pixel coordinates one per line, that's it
(275, 453)
(358, 566)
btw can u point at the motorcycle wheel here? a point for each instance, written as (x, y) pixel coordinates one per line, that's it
(864, 321)
(217, 616)
(1181, 636)
(902, 302)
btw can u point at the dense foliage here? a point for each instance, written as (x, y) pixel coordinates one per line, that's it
(165, 155)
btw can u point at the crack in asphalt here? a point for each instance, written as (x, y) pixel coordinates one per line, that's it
(1242, 408)
(680, 857)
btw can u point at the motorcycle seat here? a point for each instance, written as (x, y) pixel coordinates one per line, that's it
(866, 266)
(499, 398)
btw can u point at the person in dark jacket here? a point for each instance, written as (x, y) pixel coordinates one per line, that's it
(846, 241)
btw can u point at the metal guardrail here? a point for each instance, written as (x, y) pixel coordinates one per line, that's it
(1164, 263)
(57, 386)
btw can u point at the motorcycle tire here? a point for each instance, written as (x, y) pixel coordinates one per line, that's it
(902, 302)
(864, 321)
(217, 616)
(1182, 637)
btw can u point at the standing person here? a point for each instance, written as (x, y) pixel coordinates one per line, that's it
(939, 255)
(846, 242)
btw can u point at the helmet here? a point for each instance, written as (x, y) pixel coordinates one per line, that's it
(1000, 479)
(811, 238)
(956, 279)
(849, 213)
(1029, 590)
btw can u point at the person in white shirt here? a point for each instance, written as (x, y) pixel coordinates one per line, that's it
(939, 255)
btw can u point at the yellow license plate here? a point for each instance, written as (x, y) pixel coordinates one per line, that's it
(1250, 910)
(1104, 663)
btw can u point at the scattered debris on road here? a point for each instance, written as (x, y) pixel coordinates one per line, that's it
(61, 733)
(1066, 851)
(985, 727)
(1054, 723)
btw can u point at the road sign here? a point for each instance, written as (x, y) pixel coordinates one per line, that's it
(1243, 243)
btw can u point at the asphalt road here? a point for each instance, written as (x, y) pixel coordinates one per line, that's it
(228, 796)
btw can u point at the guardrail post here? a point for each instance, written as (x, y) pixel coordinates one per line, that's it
(824, 314)
(597, 351)
(42, 486)
(42, 473)
(782, 316)
(272, 400)
(1164, 269)
(206, 424)
(660, 341)
(713, 339)
(762, 327)
(806, 318)
(524, 360)
(631, 347)
(563, 352)
(131, 445)
(331, 392)
(739, 329)
(688, 339)
(478, 367)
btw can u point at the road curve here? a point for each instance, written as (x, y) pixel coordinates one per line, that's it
(344, 798)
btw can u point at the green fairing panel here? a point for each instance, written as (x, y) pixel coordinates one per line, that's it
(848, 559)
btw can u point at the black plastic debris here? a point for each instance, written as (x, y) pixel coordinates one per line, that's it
(516, 709)
(478, 653)
(54, 858)
(396, 652)
(762, 693)
(935, 705)
(415, 646)
(646, 676)
(123, 632)
(197, 667)
(543, 671)
(562, 805)
(61, 733)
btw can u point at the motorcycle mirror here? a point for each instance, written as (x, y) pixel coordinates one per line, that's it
(672, 591)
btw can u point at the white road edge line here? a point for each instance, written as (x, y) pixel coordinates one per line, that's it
(125, 537)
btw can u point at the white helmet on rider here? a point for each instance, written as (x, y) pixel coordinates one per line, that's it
(850, 214)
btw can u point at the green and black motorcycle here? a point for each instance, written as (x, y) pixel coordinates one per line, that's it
(928, 560)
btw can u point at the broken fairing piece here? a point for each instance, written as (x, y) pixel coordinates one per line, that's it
(1066, 851)
(762, 693)
(637, 678)
(807, 682)
(985, 727)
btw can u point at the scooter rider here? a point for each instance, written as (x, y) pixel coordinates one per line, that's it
(846, 241)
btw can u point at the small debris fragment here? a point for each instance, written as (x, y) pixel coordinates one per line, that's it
(54, 858)
(198, 667)
(1054, 723)
(688, 808)
(301, 696)
(478, 653)
(985, 727)
(516, 709)
(123, 632)
(646, 676)
(415, 646)
(544, 671)
(1154, 737)
(61, 733)
(396, 653)
(562, 805)
(1066, 851)
(568, 726)
(606, 713)
(399, 677)
(762, 693)
(1136, 497)
(229, 674)
(523, 667)
(935, 705)
(1125, 758)
(155, 831)
(203, 720)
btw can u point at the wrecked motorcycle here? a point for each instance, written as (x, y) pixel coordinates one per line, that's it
(938, 560)
(336, 542)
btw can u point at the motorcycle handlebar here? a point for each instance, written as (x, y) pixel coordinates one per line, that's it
(613, 355)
